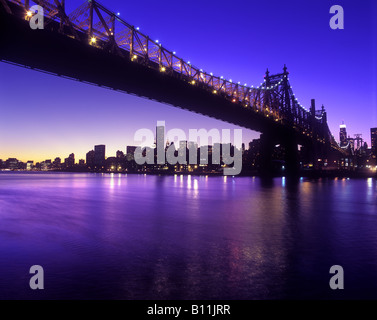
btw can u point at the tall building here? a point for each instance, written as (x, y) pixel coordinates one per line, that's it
(373, 136)
(57, 163)
(343, 135)
(90, 159)
(99, 156)
(70, 161)
(182, 151)
(160, 144)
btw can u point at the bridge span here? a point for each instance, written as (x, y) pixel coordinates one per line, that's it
(94, 45)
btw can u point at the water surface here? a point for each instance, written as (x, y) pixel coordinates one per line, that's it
(110, 236)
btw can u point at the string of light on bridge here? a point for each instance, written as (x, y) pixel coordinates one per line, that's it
(141, 47)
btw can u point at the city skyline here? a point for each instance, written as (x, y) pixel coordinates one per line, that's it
(342, 137)
(60, 116)
(345, 141)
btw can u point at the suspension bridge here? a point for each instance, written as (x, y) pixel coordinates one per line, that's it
(94, 45)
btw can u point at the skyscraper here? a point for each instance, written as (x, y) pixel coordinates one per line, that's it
(160, 145)
(373, 136)
(90, 159)
(343, 135)
(99, 156)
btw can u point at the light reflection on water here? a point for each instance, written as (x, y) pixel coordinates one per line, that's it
(118, 236)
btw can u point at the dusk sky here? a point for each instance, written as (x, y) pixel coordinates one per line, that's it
(43, 116)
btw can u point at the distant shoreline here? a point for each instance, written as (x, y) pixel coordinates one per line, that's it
(332, 174)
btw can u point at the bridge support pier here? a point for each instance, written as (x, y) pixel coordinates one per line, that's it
(291, 159)
(266, 149)
(292, 165)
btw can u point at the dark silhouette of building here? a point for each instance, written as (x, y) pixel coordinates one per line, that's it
(90, 159)
(12, 164)
(112, 164)
(373, 136)
(120, 154)
(70, 161)
(99, 156)
(57, 163)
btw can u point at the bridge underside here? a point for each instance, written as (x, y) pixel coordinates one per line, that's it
(58, 54)
(52, 52)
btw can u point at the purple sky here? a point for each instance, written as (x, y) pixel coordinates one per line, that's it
(43, 116)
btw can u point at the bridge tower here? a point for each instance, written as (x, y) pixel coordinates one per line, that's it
(286, 138)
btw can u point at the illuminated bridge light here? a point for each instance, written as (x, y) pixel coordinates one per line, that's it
(137, 28)
(93, 40)
(134, 57)
(193, 82)
(29, 13)
(163, 69)
(174, 52)
(156, 41)
(234, 100)
(118, 14)
(214, 91)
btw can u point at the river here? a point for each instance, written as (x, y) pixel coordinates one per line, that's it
(116, 236)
